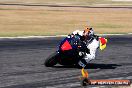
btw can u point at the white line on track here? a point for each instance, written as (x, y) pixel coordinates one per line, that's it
(28, 37)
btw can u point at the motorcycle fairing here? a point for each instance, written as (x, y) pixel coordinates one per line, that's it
(66, 46)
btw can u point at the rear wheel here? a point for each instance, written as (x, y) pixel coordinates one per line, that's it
(51, 60)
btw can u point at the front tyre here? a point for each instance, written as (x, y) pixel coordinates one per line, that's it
(51, 60)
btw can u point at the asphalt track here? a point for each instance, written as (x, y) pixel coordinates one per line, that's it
(21, 63)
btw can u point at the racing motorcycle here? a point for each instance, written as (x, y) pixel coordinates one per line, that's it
(70, 51)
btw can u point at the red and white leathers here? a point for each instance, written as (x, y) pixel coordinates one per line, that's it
(92, 44)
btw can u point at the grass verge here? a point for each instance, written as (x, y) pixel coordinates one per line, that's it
(28, 21)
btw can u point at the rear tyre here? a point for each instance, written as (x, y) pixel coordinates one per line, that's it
(51, 60)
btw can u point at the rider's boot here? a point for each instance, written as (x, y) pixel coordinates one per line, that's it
(82, 63)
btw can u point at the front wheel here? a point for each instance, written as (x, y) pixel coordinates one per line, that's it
(51, 60)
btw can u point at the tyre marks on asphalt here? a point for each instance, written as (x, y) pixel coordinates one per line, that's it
(23, 67)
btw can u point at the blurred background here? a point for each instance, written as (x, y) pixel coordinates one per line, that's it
(61, 17)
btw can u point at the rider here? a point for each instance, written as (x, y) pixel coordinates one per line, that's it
(92, 43)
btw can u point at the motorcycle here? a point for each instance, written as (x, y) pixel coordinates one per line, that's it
(69, 52)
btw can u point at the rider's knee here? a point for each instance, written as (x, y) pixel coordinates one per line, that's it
(89, 57)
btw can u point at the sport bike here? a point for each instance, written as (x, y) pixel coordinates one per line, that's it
(70, 51)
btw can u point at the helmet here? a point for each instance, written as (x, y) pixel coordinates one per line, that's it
(88, 31)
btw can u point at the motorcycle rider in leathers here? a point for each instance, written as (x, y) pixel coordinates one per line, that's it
(92, 42)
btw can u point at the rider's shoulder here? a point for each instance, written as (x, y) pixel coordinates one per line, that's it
(78, 32)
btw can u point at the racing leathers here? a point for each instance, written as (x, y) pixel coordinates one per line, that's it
(92, 44)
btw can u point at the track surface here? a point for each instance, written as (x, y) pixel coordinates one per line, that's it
(21, 63)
